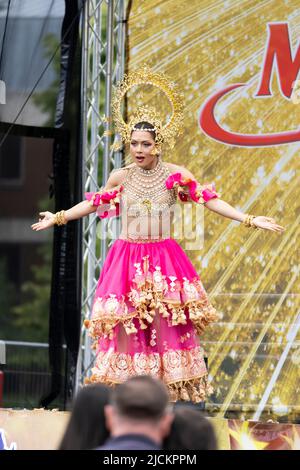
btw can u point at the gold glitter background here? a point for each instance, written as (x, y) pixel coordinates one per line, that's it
(252, 277)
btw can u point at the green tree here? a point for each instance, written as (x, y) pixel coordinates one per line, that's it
(31, 316)
(46, 100)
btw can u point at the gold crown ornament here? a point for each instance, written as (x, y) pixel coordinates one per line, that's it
(165, 133)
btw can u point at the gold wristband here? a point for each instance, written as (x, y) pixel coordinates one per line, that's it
(59, 218)
(248, 222)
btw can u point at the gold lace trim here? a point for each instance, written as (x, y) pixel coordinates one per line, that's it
(195, 390)
(183, 371)
(143, 240)
(151, 294)
(201, 313)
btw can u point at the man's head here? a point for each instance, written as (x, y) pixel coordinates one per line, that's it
(140, 406)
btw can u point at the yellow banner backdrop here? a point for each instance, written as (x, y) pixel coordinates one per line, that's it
(245, 139)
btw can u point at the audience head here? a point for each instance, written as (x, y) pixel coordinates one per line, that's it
(86, 428)
(140, 406)
(190, 430)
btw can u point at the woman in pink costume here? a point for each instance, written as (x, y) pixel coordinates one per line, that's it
(150, 305)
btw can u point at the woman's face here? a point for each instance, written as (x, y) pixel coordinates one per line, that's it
(141, 146)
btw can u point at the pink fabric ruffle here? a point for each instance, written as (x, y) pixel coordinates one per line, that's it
(198, 193)
(108, 203)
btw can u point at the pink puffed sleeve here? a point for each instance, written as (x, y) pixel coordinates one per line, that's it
(107, 203)
(190, 189)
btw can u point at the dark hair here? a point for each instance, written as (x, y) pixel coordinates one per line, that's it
(141, 398)
(190, 430)
(145, 125)
(86, 428)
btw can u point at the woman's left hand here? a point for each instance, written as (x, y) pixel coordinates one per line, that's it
(267, 223)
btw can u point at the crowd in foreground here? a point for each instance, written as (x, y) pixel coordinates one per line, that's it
(135, 415)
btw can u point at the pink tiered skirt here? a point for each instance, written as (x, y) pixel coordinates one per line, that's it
(149, 309)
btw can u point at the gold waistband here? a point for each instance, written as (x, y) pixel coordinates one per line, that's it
(143, 240)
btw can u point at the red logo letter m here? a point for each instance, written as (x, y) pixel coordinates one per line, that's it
(279, 47)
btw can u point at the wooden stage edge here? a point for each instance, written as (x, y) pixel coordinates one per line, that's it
(41, 429)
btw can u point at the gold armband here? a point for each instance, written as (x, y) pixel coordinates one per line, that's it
(59, 218)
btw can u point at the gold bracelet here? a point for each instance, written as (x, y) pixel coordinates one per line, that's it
(252, 224)
(59, 218)
(248, 222)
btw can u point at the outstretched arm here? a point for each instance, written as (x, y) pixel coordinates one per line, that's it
(223, 208)
(226, 210)
(83, 208)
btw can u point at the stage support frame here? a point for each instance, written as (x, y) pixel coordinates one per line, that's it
(103, 64)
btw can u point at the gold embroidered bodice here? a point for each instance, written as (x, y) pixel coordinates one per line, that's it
(146, 204)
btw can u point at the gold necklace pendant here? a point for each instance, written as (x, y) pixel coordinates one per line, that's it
(148, 204)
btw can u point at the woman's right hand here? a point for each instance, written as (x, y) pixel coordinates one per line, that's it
(46, 220)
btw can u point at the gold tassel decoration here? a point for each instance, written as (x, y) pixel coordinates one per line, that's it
(147, 301)
(195, 390)
(146, 264)
(184, 396)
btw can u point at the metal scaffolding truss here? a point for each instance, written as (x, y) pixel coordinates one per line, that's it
(103, 62)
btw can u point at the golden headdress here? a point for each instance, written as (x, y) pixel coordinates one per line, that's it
(165, 133)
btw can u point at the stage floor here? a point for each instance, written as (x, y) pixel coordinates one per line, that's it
(41, 429)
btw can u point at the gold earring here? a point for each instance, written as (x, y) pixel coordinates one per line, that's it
(154, 152)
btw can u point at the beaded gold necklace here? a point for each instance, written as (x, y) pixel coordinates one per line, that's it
(148, 186)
